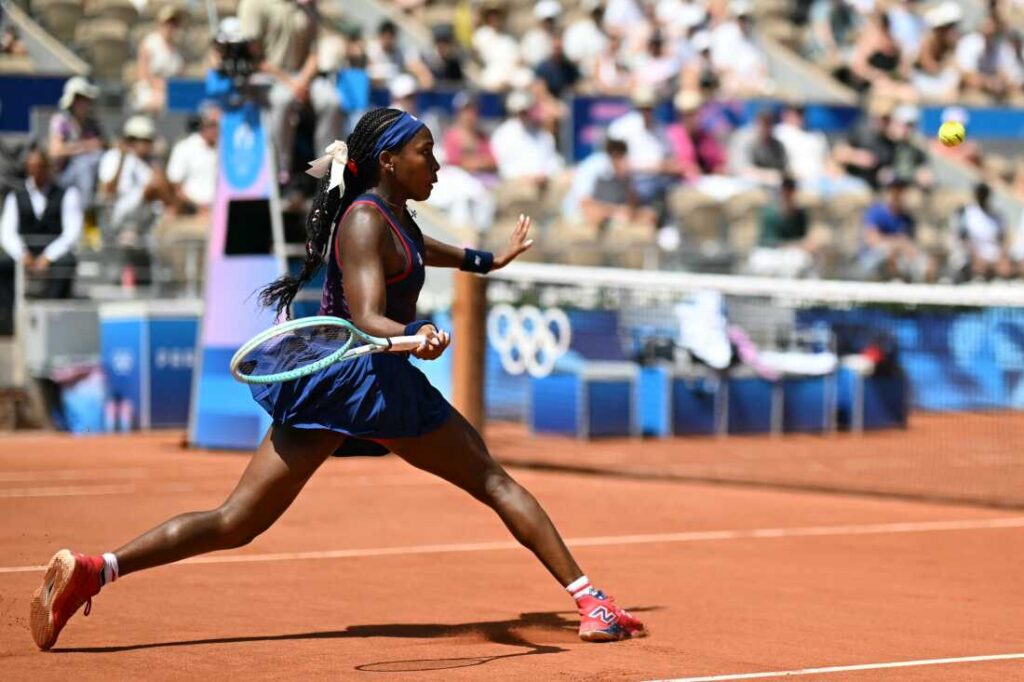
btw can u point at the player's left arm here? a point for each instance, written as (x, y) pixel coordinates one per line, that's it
(441, 255)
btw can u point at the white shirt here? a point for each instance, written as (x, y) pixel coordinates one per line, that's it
(193, 165)
(732, 51)
(71, 217)
(622, 15)
(496, 50)
(983, 231)
(583, 42)
(972, 58)
(536, 46)
(807, 151)
(135, 175)
(646, 149)
(584, 179)
(524, 151)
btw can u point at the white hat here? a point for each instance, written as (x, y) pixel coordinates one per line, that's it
(140, 128)
(518, 101)
(229, 30)
(742, 8)
(688, 100)
(957, 114)
(547, 9)
(643, 97)
(701, 41)
(907, 113)
(402, 86)
(75, 86)
(946, 14)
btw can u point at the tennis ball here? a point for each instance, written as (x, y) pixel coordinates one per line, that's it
(952, 133)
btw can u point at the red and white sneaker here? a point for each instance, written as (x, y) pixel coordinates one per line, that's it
(603, 621)
(71, 580)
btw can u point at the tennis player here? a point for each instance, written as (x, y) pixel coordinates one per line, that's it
(371, 405)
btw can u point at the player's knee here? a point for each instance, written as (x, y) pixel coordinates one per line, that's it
(236, 527)
(499, 487)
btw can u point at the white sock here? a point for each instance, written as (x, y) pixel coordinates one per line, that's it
(109, 568)
(579, 588)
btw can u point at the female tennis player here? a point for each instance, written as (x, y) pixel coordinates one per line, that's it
(375, 266)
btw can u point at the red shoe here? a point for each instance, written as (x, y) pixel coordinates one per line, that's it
(603, 621)
(71, 580)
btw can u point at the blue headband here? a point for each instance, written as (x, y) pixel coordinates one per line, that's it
(397, 134)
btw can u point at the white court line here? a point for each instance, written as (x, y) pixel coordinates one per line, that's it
(610, 540)
(847, 668)
(70, 475)
(69, 491)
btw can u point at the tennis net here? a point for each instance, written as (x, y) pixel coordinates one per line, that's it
(891, 389)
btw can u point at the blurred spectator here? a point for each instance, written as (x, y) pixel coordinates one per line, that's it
(622, 16)
(524, 151)
(699, 72)
(557, 75)
(967, 151)
(756, 154)
(611, 74)
(784, 246)
(611, 199)
(537, 42)
(833, 31)
(868, 147)
(908, 26)
(158, 59)
(466, 145)
(40, 227)
(888, 250)
(386, 58)
(988, 62)
(128, 178)
(657, 67)
(680, 18)
(740, 61)
(76, 140)
(498, 52)
(878, 64)
(649, 158)
(353, 78)
(443, 63)
(285, 32)
(585, 176)
(697, 152)
(192, 174)
(11, 43)
(909, 162)
(936, 76)
(979, 250)
(584, 39)
(405, 95)
(808, 157)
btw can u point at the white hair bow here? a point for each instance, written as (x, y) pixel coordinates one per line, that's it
(335, 158)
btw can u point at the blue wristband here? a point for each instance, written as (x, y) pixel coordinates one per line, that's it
(413, 328)
(477, 261)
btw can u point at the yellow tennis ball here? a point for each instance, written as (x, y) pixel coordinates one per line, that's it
(952, 133)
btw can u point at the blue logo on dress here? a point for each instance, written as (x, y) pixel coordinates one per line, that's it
(242, 146)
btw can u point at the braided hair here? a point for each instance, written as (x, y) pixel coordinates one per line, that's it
(329, 205)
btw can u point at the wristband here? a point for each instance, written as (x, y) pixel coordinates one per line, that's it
(413, 328)
(477, 261)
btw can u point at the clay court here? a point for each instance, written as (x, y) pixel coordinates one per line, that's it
(381, 572)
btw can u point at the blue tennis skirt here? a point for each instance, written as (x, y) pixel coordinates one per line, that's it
(370, 398)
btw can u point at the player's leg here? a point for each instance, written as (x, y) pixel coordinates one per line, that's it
(277, 472)
(457, 453)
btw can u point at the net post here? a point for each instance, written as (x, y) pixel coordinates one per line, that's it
(469, 312)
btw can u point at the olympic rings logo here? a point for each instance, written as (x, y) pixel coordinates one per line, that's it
(527, 339)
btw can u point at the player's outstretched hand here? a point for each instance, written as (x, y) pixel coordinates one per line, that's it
(434, 344)
(517, 244)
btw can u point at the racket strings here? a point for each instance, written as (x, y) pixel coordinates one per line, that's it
(294, 349)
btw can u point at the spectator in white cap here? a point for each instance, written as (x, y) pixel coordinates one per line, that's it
(700, 73)
(536, 44)
(649, 157)
(128, 177)
(585, 39)
(936, 76)
(525, 152)
(404, 90)
(76, 139)
(497, 50)
(159, 58)
(989, 64)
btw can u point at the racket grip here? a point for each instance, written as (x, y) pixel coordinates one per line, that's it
(405, 343)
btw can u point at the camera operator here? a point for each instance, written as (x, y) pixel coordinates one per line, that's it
(285, 32)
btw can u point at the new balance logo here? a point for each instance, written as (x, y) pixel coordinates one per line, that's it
(604, 614)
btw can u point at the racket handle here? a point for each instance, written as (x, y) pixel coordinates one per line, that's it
(404, 343)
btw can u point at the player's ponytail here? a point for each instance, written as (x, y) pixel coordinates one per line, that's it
(361, 174)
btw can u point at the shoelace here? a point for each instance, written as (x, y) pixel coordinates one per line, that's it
(88, 607)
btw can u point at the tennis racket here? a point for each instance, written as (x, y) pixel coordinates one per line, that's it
(302, 347)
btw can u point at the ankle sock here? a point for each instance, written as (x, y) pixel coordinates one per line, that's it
(110, 569)
(579, 588)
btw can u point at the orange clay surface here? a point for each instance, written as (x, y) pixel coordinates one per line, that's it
(380, 572)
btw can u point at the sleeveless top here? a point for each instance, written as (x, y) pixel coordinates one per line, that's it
(401, 290)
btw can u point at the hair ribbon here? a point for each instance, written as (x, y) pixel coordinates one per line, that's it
(334, 160)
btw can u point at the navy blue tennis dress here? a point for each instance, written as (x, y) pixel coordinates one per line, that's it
(373, 397)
